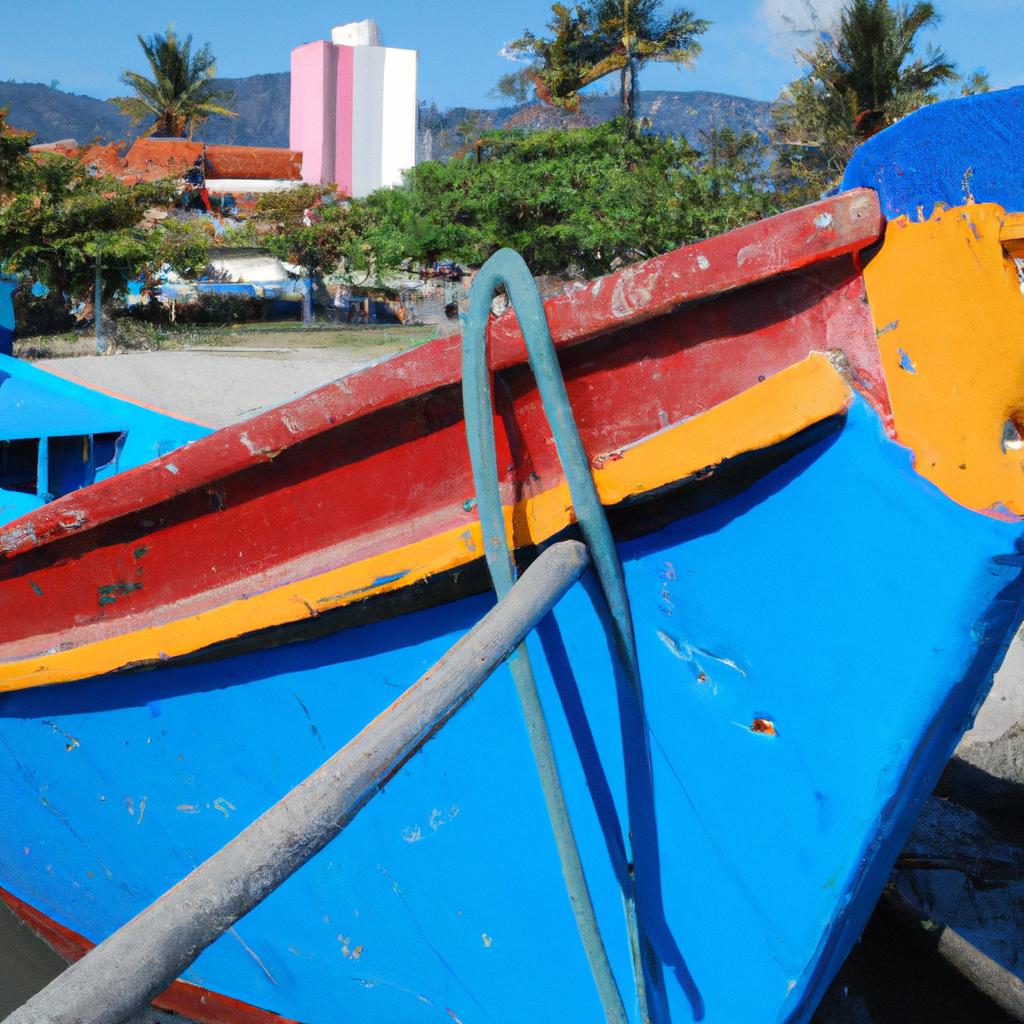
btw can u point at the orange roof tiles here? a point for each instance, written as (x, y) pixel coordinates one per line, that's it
(106, 159)
(253, 162)
(151, 159)
(161, 158)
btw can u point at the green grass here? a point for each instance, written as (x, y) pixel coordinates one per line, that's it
(128, 336)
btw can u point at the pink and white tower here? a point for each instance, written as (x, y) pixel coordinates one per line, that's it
(353, 109)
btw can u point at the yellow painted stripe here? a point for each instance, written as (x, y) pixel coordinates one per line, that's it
(767, 413)
(949, 315)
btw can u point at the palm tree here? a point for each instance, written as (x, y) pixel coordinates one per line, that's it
(862, 79)
(601, 37)
(181, 94)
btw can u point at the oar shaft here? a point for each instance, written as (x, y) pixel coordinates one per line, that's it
(124, 972)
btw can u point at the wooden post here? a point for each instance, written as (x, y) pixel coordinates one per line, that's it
(124, 972)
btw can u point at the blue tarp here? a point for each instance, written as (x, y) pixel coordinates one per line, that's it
(955, 152)
(36, 407)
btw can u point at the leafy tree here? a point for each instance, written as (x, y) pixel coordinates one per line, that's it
(62, 217)
(972, 84)
(516, 86)
(290, 208)
(734, 180)
(181, 95)
(288, 214)
(182, 245)
(584, 199)
(599, 38)
(13, 159)
(860, 80)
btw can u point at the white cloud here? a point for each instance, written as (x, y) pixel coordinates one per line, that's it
(796, 24)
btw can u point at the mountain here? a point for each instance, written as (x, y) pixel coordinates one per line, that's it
(53, 114)
(262, 102)
(690, 114)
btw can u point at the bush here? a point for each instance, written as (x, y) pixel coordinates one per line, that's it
(39, 314)
(207, 308)
(580, 200)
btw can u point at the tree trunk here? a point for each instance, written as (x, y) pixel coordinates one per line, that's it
(97, 304)
(628, 92)
(307, 301)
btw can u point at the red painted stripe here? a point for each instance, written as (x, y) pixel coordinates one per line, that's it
(198, 1004)
(399, 475)
(779, 245)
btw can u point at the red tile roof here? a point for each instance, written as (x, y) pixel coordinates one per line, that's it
(253, 162)
(161, 158)
(151, 159)
(106, 159)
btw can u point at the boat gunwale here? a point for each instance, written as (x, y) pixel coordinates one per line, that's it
(764, 417)
(790, 241)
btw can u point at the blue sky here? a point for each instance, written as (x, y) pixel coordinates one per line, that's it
(747, 52)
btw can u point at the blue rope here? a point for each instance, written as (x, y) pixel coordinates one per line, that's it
(508, 268)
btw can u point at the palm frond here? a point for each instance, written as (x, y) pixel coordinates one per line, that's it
(180, 92)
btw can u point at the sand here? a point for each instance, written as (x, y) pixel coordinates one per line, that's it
(214, 387)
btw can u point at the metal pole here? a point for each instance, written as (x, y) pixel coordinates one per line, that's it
(124, 972)
(97, 302)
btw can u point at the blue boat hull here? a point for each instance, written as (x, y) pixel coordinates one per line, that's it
(70, 435)
(811, 649)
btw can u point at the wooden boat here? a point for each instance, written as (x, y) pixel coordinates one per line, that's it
(57, 436)
(806, 435)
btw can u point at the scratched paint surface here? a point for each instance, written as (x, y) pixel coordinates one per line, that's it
(772, 411)
(359, 488)
(863, 651)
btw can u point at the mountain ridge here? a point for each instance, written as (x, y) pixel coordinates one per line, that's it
(263, 103)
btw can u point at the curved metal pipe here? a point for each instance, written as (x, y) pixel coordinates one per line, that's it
(508, 269)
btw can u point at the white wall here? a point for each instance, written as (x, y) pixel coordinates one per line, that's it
(383, 116)
(356, 33)
(245, 186)
(368, 66)
(398, 151)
